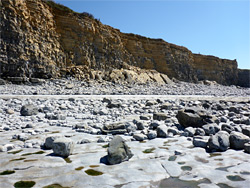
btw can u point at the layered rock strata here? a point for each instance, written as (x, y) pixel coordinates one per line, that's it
(42, 39)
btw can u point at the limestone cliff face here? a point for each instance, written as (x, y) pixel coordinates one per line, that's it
(41, 39)
(213, 68)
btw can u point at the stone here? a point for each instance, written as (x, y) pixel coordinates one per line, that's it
(152, 135)
(140, 125)
(223, 119)
(145, 117)
(166, 106)
(49, 141)
(29, 110)
(219, 141)
(192, 117)
(199, 132)
(139, 137)
(84, 141)
(115, 128)
(247, 147)
(237, 140)
(211, 128)
(199, 141)
(190, 131)
(160, 116)
(162, 131)
(63, 147)
(118, 151)
(113, 105)
(151, 103)
(154, 124)
(246, 130)
(173, 131)
(69, 86)
(227, 127)
(10, 111)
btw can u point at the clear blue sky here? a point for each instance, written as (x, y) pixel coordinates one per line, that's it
(216, 27)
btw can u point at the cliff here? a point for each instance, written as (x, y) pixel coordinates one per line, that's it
(42, 39)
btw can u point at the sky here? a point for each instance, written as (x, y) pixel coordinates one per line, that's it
(211, 27)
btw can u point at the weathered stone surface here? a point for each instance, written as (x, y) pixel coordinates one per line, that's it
(211, 128)
(49, 141)
(237, 140)
(29, 110)
(193, 117)
(160, 116)
(118, 151)
(219, 141)
(199, 141)
(162, 131)
(114, 128)
(63, 147)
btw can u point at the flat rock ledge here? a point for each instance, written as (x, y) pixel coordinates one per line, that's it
(155, 148)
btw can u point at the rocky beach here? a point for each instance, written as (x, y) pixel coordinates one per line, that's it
(84, 105)
(60, 133)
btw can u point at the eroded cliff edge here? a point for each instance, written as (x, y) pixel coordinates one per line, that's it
(44, 40)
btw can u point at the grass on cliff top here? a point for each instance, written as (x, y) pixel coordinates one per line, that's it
(61, 7)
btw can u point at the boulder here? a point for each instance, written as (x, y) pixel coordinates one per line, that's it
(114, 128)
(49, 141)
(227, 127)
(237, 140)
(160, 116)
(199, 141)
(63, 147)
(162, 131)
(246, 130)
(145, 117)
(193, 117)
(190, 131)
(200, 132)
(118, 151)
(211, 128)
(28, 110)
(139, 137)
(152, 135)
(247, 147)
(140, 125)
(166, 106)
(219, 141)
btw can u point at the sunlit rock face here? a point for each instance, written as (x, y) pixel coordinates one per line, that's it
(42, 39)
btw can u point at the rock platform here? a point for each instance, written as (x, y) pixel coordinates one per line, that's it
(172, 161)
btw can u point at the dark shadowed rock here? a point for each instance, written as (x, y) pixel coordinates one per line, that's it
(247, 147)
(191, 117)
(237, 140)
(29, 110)
(118, 151)
(246, 130)
(200, 132)
(227, 127)
(199, 141)
(49, 141)
(162, 131)
(218, 142)
(190, 131)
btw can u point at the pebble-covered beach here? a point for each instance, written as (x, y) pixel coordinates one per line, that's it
(61, 133)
